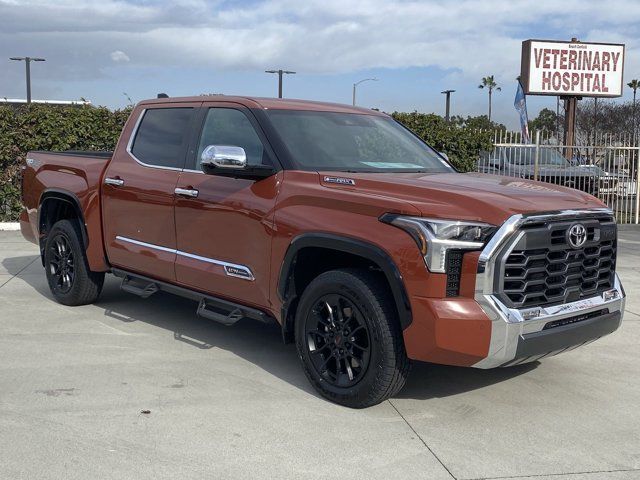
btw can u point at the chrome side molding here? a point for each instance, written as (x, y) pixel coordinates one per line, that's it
(230, 269)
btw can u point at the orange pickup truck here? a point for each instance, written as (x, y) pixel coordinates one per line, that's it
(336, 224)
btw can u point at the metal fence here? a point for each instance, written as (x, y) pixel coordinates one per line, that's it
(606, 168)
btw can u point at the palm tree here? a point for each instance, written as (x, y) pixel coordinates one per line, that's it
(490, 84)
(634, 85)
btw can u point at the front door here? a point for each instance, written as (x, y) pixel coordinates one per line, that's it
(139, 191)
(224, 225)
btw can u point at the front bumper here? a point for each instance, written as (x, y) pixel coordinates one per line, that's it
(558, 339)
(517, 339)
(528, 334)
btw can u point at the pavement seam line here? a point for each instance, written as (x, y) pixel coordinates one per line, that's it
(422, 440)
(19, 272)
(538, 475)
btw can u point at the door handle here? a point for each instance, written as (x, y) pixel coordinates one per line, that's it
(116, 182)
(186, 192)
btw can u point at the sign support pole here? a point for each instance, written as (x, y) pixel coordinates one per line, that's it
(570, 106)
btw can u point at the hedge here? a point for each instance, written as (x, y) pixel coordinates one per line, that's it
(43, 127)
(46, 127)
(462, 139)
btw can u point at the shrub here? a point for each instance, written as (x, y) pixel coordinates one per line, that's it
(461, 139)
(47, 127)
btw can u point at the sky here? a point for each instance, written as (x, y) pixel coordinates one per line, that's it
(111, 51)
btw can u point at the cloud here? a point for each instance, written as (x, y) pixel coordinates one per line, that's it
(468, 38)
(119, 56)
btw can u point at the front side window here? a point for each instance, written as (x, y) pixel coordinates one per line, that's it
(162, 137)
(230, 127)
(353, 142)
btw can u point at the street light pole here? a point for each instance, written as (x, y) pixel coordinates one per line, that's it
(358, 83)
(280, 73)
(448, 103)
(27, 61)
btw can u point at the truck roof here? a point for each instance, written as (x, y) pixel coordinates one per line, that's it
(268, 103)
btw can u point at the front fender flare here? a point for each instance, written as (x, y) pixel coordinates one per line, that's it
(352, 246)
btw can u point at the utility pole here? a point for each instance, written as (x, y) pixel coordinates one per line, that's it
(448, 103)
(280, 73)
(27, 61)
(353, 96)
(634, 85)
(634, 114)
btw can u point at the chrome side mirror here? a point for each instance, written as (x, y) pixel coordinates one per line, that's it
(223, 156)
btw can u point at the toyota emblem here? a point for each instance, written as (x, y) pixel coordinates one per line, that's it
(577, 235)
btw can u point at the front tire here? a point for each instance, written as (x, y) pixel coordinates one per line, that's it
(70, 280)
(349, 339)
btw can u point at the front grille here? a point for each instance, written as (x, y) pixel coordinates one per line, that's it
(542, 269)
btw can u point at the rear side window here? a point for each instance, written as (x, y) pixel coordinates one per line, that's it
(226, 126)
(162, 136)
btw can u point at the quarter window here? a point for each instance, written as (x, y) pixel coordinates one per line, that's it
(162, 136)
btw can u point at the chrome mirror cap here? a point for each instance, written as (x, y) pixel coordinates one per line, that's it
(223, 156)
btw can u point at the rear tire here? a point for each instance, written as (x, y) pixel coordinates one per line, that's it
(349, 339)
(70, 280)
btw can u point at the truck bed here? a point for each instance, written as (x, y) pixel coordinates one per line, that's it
(72, 175)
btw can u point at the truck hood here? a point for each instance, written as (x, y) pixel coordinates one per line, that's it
(466, 196)
(574, 171)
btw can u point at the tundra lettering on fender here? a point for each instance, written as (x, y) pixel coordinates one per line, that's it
(335, 224)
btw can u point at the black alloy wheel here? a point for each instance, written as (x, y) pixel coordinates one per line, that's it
(70, 279)
(338, 340)
(61, 263)
(348, 337)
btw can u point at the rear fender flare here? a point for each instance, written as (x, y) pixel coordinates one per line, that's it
(62, 196)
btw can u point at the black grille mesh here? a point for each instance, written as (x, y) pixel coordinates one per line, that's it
(543, 269)
(454, 270)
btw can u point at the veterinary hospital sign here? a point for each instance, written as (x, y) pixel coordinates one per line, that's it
(572, 68)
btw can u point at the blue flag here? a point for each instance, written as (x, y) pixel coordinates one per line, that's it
(520, 103)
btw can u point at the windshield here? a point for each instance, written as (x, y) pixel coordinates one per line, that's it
(353, 142)
(526, 156)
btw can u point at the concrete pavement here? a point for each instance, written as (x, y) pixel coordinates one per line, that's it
(233, 403)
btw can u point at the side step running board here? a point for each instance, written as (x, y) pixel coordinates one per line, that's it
(142, 289)
(226, 315)
(212, 308)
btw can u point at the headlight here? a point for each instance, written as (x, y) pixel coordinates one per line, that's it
(435, 237)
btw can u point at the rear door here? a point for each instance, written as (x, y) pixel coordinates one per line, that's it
(139, 191)
(224, 225)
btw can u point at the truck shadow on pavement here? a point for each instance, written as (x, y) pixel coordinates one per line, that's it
(262, 344)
